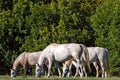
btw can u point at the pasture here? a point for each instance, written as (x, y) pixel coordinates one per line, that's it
(6, 77)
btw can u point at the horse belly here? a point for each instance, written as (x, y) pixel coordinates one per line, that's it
(32, 60)
(62, 55)
(92, 56)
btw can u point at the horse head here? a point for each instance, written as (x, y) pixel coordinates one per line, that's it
(39, 69)
(65, 70)
(13, 72)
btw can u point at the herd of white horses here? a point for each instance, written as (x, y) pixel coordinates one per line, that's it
(69, 54)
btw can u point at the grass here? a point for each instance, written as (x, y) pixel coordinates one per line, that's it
(6, 77)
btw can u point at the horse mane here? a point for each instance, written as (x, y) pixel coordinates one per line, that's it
(54, 44)
(17, 60)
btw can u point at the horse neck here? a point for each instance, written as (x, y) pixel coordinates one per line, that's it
(41, 59)
(16, 64)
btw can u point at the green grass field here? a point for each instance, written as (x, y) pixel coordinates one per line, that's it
(55, 78)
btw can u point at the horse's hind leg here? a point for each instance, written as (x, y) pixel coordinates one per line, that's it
(97, 69)
(81, 70)
(77, 67)
(103, 67)
(84, 71)
(105, 71)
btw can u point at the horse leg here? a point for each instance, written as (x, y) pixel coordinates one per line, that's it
(103, 70)
(84, 71)
(107, 57)
(97, 69)
(81, 71)
(25, 70)
(49, 68)
(103, 67)
(77, 67)
(58, 68)
(30, 71)
(106, 74)
(46, 71)
(80, 66)
(70, 72)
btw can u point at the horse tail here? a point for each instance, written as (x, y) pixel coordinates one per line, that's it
(85, 50)
(107, 57)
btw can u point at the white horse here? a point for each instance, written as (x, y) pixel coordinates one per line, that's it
(97, 55)
(62, 52)
(25, 59)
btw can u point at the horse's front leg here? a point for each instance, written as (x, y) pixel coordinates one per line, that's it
(49, 68)
(25, 70)
(58, 68)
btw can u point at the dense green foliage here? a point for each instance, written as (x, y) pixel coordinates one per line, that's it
(106, 24)
(31, 25)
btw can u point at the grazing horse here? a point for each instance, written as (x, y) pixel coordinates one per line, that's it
(25, 59)
(97, 55)
(61, 53)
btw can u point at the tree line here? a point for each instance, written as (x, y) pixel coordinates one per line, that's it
(31, 25)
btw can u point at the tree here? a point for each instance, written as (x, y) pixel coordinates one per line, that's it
(31, 25)
(106, 24)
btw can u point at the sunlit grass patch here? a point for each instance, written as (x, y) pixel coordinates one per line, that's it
(6, 77)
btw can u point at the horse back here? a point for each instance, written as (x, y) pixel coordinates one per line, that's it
(32, 58)
(64, 52)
